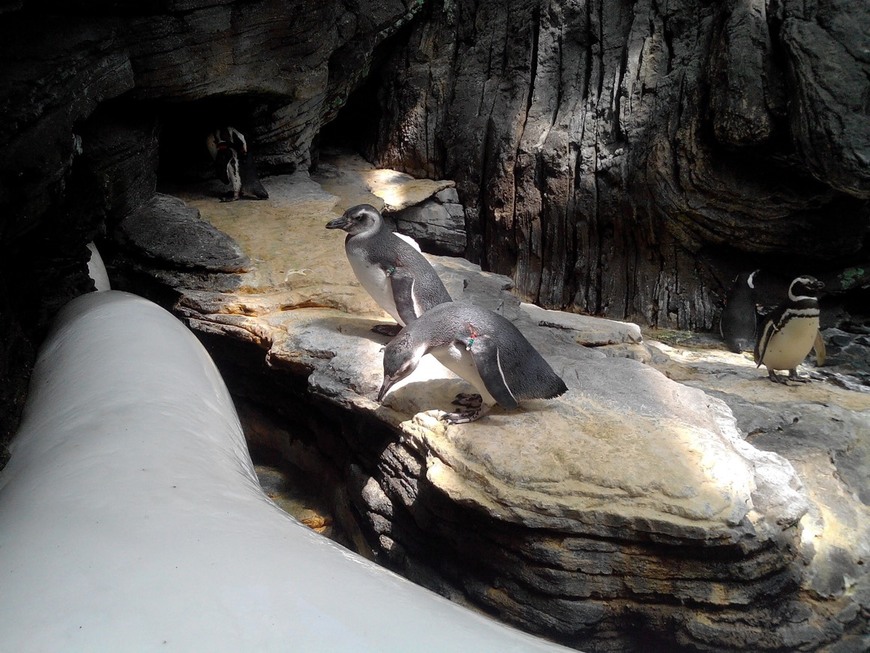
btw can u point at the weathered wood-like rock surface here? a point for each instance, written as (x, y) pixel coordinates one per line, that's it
(626, 157)
(629, 514)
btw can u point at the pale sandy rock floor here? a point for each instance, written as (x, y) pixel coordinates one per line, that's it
(821, 428)
(582, 427)
(624, 446)
(300, 265)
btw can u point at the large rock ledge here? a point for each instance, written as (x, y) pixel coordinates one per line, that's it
(628, 514)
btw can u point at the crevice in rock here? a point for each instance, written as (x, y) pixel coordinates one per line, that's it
(357, 124)
(354, 117)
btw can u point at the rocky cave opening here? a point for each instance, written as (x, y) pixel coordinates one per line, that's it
(184, 126)
(356, 124)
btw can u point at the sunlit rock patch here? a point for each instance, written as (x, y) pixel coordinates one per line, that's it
(631, 499)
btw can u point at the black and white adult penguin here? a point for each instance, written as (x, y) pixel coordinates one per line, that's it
(738, 323)
(482, 347)
(393, 272)
(233, 163)
(226, 146)
(788, 332)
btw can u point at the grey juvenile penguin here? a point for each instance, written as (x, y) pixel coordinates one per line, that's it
(393, 272)
(482, 347)
(788, 332)
(739, 321)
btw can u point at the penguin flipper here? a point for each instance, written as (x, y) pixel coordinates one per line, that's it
(821, 351)
(763, 342)
(484, 352)
(402, 284)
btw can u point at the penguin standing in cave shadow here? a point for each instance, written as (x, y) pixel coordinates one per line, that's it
(738, 323)
(234, 165)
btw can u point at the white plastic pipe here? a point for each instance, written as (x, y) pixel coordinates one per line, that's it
(131, 518)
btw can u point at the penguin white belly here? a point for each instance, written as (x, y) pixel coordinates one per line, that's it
(790, 345)
(458, 360)
(376, 283)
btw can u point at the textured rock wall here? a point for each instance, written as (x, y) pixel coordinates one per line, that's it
(625, 157)
(280, 69)
(621, 158)
(99, 99)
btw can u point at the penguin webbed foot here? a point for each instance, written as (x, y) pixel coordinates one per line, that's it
(793, 376)
(776, 378)
(468, 400)
(463, 416)
(390, 330)
(474, 409)
(229, 197)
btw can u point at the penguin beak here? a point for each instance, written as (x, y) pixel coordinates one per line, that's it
(817, 285)
(385, 388)
(338, 223)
